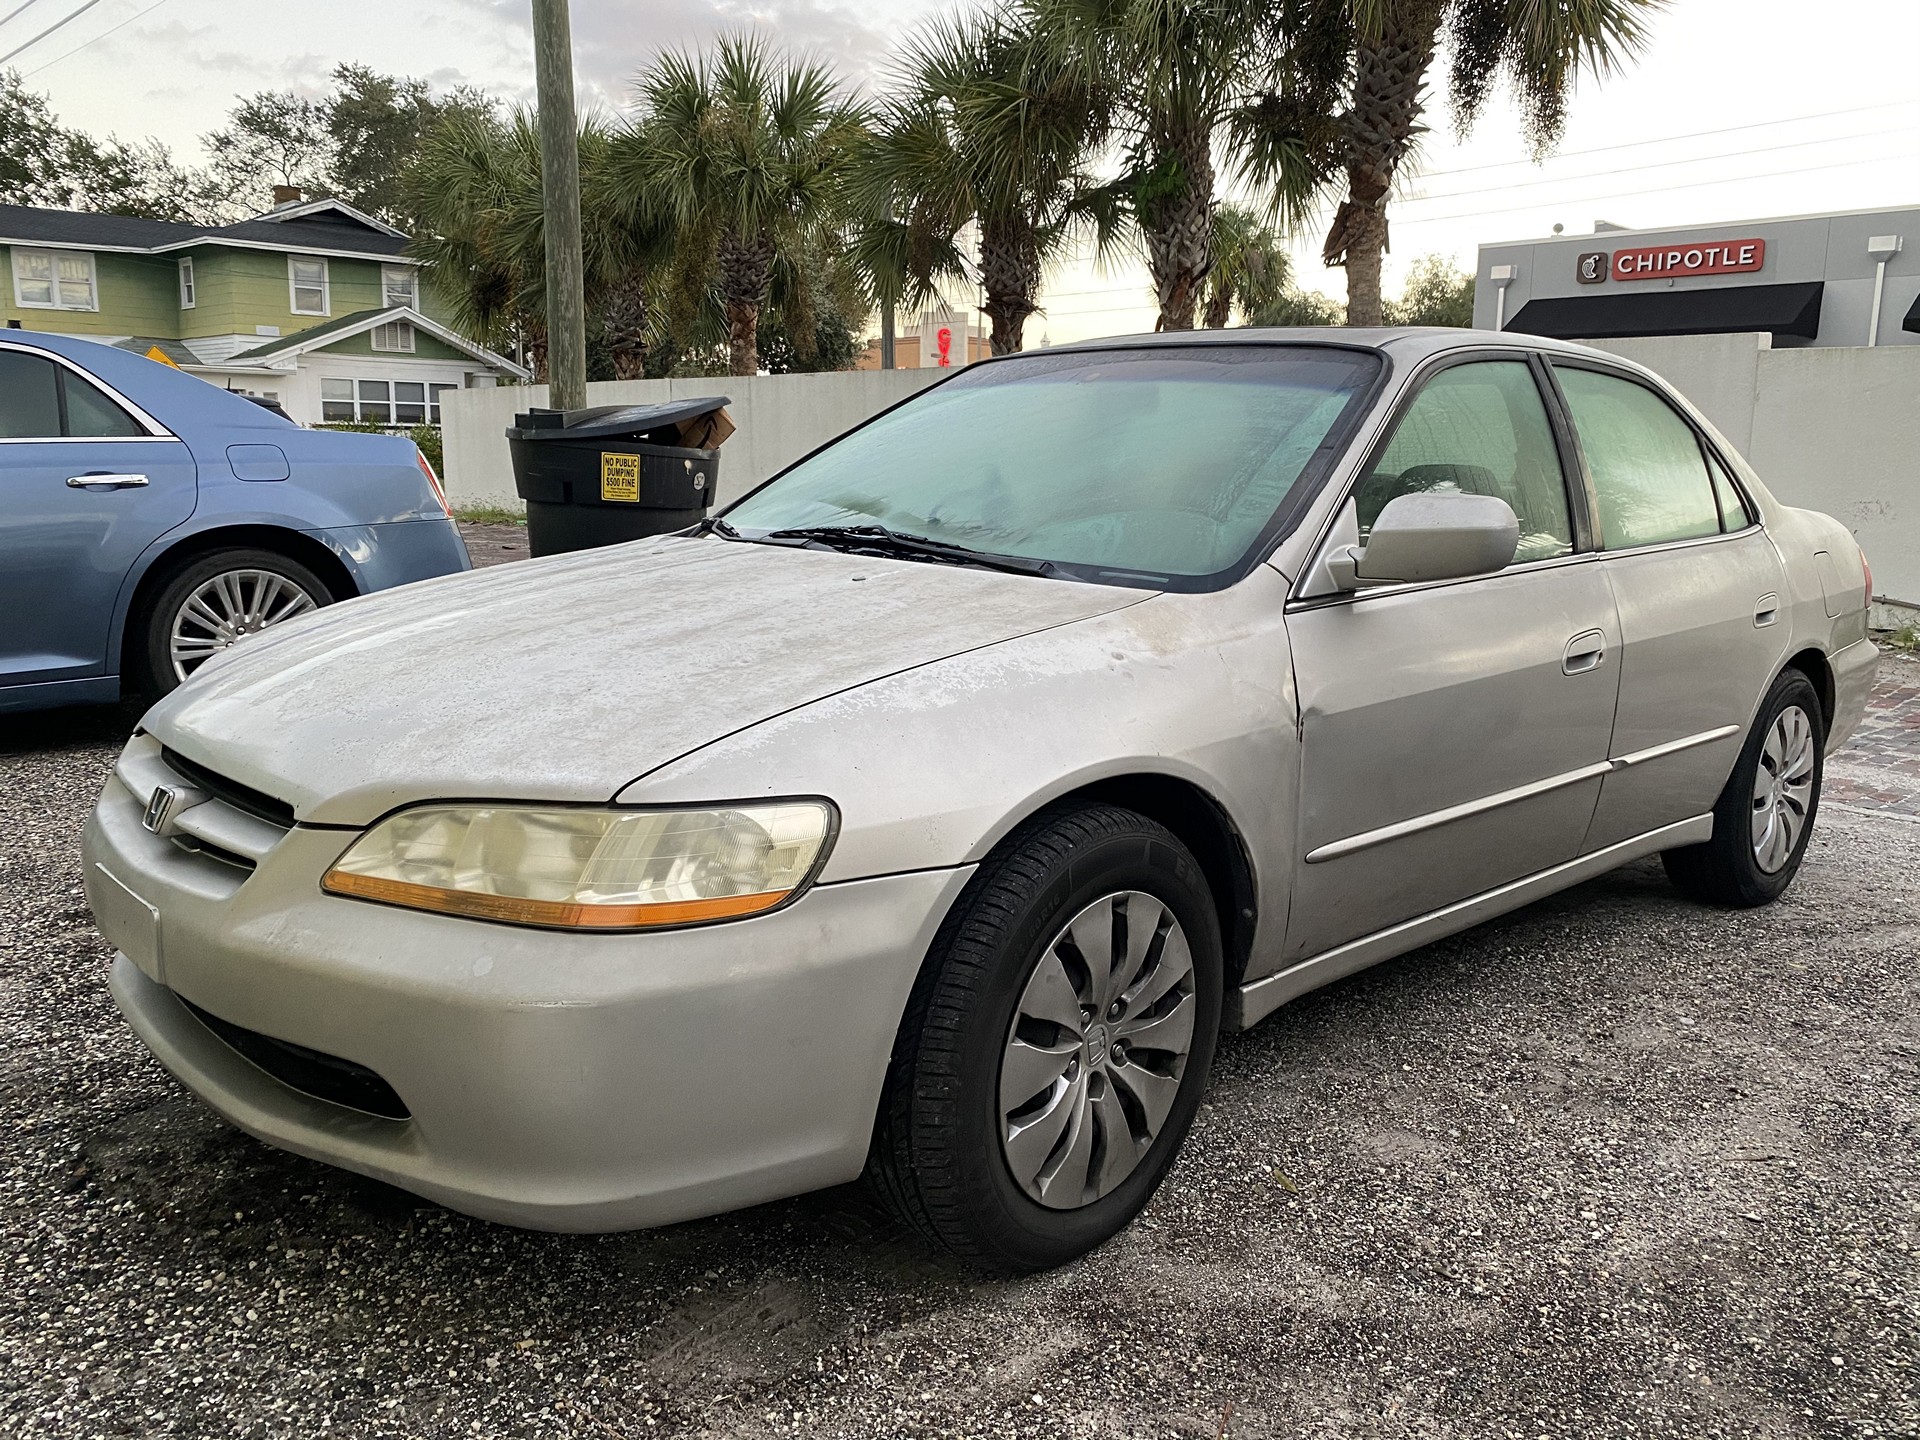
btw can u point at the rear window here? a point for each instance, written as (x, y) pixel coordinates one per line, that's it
(1132, 466)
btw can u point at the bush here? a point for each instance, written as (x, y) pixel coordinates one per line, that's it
(426, 437)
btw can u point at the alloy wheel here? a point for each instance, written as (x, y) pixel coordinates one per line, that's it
(227, 608)
(1782, 789)
(1096, 1051)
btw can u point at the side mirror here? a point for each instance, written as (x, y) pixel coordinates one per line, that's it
(1432, 535)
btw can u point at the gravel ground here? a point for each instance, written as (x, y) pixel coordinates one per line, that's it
(1615, 1165)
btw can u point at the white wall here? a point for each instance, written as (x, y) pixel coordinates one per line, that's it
(780, 418)
(1831, 428)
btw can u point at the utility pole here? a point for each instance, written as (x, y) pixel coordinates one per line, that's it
(560, 187)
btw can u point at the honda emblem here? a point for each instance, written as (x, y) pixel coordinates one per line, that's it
(160, 808)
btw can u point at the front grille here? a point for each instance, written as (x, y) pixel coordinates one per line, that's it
(311, 1072)
(256, 803)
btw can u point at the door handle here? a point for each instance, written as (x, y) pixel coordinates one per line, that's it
(105, 482)
(1584, 652)
(1766, 610)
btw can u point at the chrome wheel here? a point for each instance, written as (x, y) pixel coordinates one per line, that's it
(1097, 1049)
(1782, 789)
(229, 607)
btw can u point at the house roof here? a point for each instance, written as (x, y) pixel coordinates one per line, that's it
(321, 225)
(342, 327)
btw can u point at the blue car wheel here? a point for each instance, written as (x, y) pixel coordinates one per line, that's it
(217, 601)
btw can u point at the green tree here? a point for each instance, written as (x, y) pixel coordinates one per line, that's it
(746, 152)
(476, 190)
(44, 163)
(983, 127)
(1352, 102)
(1175, 74)
(272, 138)
(376, 126)
(1250, 271)
(1438, 292)
(1294, 307)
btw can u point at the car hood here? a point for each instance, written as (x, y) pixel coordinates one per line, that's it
(567, 678)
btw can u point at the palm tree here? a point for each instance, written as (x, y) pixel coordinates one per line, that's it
(747, 153)
(1351, 108)
(982, 127)
(1250, 266)
(1176, 72)
(477, 188)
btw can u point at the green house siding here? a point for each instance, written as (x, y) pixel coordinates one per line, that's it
(137, 295)
(425, 347)
(240, 290)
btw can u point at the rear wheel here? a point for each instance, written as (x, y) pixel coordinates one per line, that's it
(1764, 817)
(1054, 1053)
(218, 600)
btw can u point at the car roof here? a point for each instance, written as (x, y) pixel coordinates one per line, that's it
(1406, 342)
(174, 398)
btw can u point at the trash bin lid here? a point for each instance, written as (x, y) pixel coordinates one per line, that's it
(601, 422)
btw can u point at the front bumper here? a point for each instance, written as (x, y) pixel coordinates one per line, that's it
(556, 1081)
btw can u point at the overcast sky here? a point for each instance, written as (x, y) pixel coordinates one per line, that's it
(1740, 109)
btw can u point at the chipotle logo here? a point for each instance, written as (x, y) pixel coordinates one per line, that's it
(1662, 262)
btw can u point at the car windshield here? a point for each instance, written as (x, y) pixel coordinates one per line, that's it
(1126, 466)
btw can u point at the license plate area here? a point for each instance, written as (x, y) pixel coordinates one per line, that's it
(131, 925)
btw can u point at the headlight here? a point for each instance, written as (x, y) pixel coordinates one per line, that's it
(588, 869)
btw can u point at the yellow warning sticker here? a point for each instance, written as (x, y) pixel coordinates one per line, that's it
(156, 353)
(620, 478)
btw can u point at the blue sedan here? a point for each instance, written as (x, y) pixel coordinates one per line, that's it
(149, 520)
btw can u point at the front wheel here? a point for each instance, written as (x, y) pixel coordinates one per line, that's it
(217, 601)
(1054, 1053)
(1764, 817)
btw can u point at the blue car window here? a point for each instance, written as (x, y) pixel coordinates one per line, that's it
(29, 397)
(91, 413)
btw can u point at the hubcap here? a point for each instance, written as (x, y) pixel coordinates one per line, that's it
(1782, 789)
(1096, 1051)
(228, 607)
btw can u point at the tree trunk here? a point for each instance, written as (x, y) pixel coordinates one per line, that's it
(1380, 128)
(746, 275)
(1010, 274)
(1219, 308)
(1179, 231)
(623, 315)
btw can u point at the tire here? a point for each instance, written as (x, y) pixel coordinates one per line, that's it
(260, 587)
(942, 1156)
(1746, 863)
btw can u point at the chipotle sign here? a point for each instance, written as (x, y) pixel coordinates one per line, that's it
(1663, 262)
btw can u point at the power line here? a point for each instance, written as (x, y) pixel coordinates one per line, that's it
(18, 11)
(57, 25)
(1689, 135)
(96, 39)
(1641, 169)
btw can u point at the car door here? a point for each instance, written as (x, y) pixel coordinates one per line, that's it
(1697, 583)
(87, 483)
(1452, 734)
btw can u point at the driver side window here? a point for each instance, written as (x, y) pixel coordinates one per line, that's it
(1482, 429)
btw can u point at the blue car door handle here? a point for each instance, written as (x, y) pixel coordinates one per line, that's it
(105, 482)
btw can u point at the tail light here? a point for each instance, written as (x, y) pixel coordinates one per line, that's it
(433, 480)
(1867, 570)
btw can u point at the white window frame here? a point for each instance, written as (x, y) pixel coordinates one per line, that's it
(54, 257)
(294, 287)
(189, 296)
(406, 273)
(400, 330)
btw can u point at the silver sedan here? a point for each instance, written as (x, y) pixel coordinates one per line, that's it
(928, 814)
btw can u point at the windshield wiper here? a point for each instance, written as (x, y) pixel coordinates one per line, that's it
(879, 540)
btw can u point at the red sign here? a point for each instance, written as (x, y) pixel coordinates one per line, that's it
(945, 340)
(1663, 262)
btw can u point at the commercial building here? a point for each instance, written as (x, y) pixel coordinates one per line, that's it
(1842, 279)
(313, 305)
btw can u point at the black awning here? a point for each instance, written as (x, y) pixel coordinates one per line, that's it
(1725, 310)
(1912, 322)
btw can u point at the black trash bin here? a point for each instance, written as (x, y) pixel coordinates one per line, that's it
(616, 472)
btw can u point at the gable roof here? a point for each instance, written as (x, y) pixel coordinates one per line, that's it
(318, 227)
(343, 327)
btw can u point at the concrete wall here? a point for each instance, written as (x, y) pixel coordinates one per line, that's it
(1835, 429)
(780, 418)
